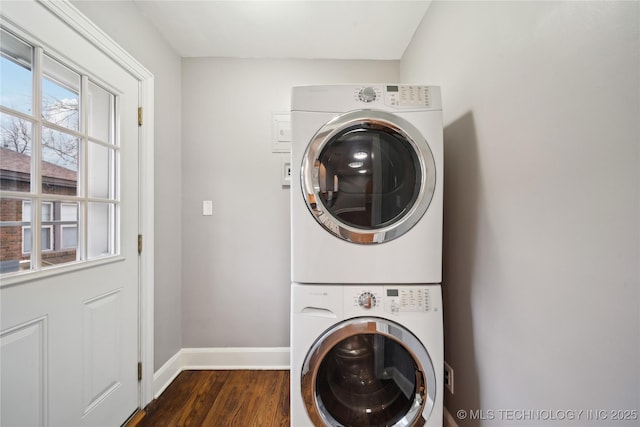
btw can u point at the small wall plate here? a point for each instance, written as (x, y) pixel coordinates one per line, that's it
(286, 171)
(280, 132)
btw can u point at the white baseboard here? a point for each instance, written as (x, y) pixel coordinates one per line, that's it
(448, 419)
(167, 373)
(219, 358)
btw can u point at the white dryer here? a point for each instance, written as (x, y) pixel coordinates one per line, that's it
(366, 355)
(366, 184)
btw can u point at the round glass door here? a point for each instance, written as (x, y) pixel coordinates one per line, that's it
(368, 372)
(368, 176)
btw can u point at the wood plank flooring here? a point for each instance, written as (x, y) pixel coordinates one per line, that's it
(222, 398)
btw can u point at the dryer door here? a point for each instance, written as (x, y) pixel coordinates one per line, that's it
(368, 176)
(365, 372)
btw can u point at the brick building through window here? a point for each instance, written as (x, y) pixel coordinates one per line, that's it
(59, 219)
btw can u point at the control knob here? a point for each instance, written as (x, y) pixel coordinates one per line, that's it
(367, 300)
(367, 94)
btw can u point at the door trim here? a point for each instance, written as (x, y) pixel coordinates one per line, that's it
(71, 16)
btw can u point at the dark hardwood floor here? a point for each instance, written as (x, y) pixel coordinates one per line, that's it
(222, 398)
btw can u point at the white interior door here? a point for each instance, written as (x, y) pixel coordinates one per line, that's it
(69, 332)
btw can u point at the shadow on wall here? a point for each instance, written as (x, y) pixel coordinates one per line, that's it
(462, 190)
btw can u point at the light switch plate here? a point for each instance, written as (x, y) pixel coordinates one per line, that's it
(207, 207)
(281, 132)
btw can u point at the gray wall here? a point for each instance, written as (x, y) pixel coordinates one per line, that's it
(123, 22)
(542, 184)
(236, 274)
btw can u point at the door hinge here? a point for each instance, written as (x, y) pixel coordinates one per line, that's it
(139, 116)
(139, 371)
(139, 244)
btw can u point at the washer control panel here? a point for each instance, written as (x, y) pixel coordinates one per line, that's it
(390, 299)
(407, 299)
(407, 96)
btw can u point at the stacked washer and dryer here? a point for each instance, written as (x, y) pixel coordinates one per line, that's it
(366, 256)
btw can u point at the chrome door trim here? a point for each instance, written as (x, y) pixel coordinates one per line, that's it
(425, 395)
(369, 119)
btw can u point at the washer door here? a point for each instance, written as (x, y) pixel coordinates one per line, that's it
(365, 372)
(368, 176)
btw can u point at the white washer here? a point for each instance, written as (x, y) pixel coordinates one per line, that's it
(366, 355)
(366, 184)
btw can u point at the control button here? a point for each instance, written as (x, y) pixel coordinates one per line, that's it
(395, 307)
(367, 94)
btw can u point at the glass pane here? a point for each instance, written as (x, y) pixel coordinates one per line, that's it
(69, 212)
(367, 380)
(68, 225)
(27, 240)
(13, 239)
(60, 154)
(101, 171)
(368, 178)
(15, 153)
(47, 211)
(47, 238)
(69, 237)
(100, 229)
(100, 113)
(59, 233)
(60, 94)
(15, 67)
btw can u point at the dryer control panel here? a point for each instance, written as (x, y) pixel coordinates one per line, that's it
(395, 95)
(389, 299)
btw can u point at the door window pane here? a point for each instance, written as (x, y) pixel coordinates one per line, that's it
(69, 212)
(100, 229)
(60, 245)
(68, 225)
(69, 236)
(46, 216)
(15, 67)
(12, 221)
(27, 240)
(47, 211)
(101, 161)
(100, 113)
(60, 155)
(46, 239)
(15, 153)
(60, 94)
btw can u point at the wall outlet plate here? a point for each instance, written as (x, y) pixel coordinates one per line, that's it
(448, 377)
(286, 171)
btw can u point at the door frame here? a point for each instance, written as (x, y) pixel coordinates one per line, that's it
(72, 17)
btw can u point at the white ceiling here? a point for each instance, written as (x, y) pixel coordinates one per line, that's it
(319, 29)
